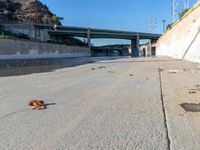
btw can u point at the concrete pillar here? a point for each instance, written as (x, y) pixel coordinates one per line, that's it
(88, 38)
(135, 46)
(150, 47)
(2, 33)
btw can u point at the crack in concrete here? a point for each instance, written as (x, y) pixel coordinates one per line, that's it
(163, 108)
(7, 115)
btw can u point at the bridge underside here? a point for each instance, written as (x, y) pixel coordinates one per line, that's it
(104, 35)
(88, 33)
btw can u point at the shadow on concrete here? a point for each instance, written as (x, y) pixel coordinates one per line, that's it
(191, 107)
(142, 61)
(29, 66)
(49, 104)
(16, 67)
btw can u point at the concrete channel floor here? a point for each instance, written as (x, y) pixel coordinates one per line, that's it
(125, 103)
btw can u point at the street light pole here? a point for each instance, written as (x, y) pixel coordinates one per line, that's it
(164, 21)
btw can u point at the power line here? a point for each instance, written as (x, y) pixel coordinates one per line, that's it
(152, 24)
(177, 7)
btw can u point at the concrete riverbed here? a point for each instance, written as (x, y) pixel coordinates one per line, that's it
(124, 103)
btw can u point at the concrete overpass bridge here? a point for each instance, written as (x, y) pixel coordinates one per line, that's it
(91, 33)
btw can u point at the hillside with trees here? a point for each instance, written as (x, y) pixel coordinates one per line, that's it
(28, 11)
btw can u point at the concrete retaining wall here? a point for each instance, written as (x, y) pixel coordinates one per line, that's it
(20, 49)
(183, 40)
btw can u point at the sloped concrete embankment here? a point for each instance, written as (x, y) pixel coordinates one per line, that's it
(182, 41)
(24, 49)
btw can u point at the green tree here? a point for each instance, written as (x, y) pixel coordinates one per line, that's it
(181, 14)
(45, 19)
(56, 20)
(169, 26)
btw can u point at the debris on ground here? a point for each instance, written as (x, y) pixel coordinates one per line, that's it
(130, 75)
(192, 92)
(183, 115)
(37, 104)
(176, 71)
(194, 71)
(195, 89)
(101, 67)
(111, 72)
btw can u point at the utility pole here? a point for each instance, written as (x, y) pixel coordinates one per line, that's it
(152, 25)
(177, 7)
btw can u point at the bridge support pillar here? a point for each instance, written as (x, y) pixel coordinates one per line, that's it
(88, 38)
(135, 46)
(89, 41)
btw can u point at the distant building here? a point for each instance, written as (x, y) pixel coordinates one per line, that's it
(34, 32)
(148, 49)
(111, 50)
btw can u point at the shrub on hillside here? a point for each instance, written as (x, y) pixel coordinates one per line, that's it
(181, 14)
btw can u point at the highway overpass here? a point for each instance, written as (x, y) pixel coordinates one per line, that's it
(91, 33)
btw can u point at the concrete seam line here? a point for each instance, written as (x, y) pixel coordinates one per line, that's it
(163, 108)
(13, 113)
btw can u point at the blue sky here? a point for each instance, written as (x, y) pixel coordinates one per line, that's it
(129, 15)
